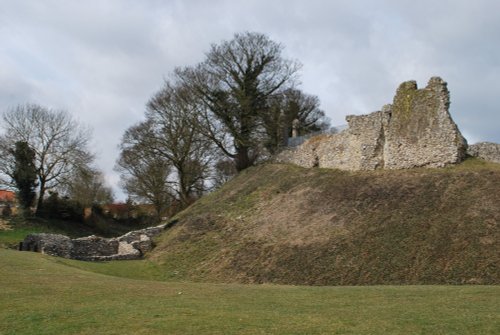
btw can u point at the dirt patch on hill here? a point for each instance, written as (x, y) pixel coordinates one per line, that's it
(289, 225)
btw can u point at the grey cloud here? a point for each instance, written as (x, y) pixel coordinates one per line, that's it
(102, 60)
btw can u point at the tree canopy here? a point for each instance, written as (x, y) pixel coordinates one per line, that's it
(234, 84)
(216, 118)
(57, 140)
(165, 158)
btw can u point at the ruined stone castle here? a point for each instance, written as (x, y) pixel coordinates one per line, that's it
(416, 130)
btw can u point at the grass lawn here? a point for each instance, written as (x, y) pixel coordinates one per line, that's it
(18, 228)
(45, 295)
(11, 238)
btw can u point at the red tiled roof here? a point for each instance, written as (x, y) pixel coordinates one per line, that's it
(7, 196)
(116, 207)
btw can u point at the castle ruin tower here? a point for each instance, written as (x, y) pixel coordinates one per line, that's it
(295, 128)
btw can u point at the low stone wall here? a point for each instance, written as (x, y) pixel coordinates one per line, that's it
(51, 244)
(415, 131)
(485, 150)
(132, 245)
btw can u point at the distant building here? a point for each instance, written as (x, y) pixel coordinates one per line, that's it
(118, 211)
(7, 197)
(8, 200)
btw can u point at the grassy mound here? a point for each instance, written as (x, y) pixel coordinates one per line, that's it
(289, 225)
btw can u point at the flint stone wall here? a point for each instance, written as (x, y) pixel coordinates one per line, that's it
(132, 245)
(50, 244)
(485, 150)
(421, 131)
(415, 131)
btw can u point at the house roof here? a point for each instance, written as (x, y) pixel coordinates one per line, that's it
(7, 196)
(119, 207)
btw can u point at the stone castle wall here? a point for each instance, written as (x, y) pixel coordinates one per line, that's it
(415, 131)
(132, 245)
(485, 150)
(421, 131)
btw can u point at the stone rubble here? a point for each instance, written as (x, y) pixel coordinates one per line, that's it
(132, 245)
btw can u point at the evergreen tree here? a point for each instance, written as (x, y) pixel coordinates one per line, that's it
(25, 173)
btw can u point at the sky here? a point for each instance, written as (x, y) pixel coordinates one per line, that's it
(101, 60)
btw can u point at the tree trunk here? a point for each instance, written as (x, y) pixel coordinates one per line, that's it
(158, 211)
(41, 194)
(242, 159)
(184, 195)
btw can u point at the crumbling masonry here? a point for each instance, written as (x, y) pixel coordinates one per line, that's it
(415, 131)
(132, 245)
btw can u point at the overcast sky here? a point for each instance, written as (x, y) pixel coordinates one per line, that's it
(101, 60)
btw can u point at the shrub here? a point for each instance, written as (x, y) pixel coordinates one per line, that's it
(6, 211)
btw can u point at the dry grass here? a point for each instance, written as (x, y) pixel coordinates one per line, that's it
(4, 225)
(284, 224)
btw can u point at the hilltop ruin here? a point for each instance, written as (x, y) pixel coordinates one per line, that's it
(415, 131)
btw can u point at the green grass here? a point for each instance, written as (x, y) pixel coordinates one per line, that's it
(11, 238)
(46, 295)
(20, 227)
(132, 269)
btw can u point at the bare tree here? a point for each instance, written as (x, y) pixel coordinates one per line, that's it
(224, 170)
(175, 136)
(144, 174)
(88, 187)
(292, 105)
(234, 85)
(59, 143)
